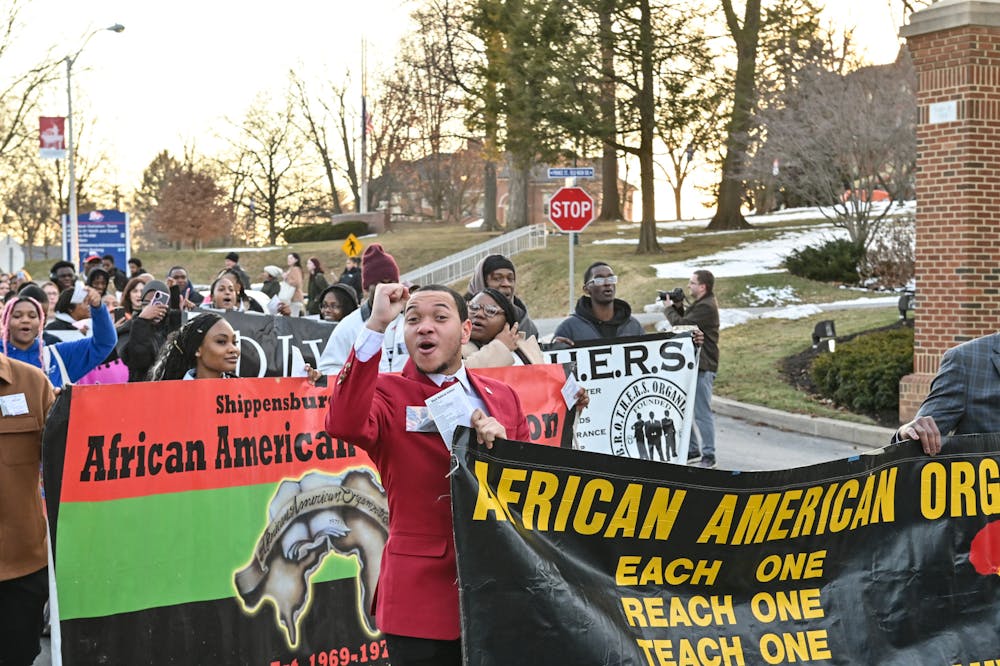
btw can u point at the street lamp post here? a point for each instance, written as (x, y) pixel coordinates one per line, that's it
(73, 222)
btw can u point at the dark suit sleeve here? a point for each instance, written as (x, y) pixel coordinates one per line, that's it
(355, 407)
(946, 400)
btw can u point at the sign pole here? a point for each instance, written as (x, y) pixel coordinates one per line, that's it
(571, 209)
(572, 242)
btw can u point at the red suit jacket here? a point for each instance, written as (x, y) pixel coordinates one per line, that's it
(417, 591)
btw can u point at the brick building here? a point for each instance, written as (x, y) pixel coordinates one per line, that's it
(541, 188)
(955, 45)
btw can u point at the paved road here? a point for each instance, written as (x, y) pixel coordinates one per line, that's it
(746, 446)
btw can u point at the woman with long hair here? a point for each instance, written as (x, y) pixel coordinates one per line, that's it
(21, 323)
(205, 348)
(495, 340)
(292, 291)
(131, 300)
(317, 283)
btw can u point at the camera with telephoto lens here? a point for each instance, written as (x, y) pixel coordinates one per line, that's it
(675, 295)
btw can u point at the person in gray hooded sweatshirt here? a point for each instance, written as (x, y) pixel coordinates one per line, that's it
(599, 315)
(497, 272)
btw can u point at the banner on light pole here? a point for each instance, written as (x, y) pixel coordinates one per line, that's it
(52, 137)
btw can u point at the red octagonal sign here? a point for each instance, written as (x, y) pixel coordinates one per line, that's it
(571, 209)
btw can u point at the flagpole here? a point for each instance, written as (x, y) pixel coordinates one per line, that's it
(363, 204)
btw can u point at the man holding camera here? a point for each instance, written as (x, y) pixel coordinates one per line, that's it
(703, 313)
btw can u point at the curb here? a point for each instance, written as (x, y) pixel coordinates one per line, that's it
(874, 437)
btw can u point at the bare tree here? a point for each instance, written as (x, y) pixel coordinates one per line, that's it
(315, 125)
(611, 205)
(844, 140)
(19, 90)
(434, 126)
(271, 164)
(30, 203)
(659, 54)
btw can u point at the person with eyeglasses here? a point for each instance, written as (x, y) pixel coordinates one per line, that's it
(703, 312)
(599, 315)
(497, 272)
(495, 340)
(336, 302)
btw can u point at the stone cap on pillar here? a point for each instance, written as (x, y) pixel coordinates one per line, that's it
(948, 14)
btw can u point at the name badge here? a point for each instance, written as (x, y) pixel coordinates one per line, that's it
(13, 405)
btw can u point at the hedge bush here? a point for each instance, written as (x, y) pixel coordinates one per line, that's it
(833, 261)
(863, 374)
(325, 232)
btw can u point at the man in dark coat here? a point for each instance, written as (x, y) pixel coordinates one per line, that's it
(352, 275)
(599, 315)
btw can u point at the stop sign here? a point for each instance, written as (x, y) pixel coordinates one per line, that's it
(571, 209)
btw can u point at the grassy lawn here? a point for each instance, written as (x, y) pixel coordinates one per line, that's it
(751, 353)
(749, 368)
(413, 245)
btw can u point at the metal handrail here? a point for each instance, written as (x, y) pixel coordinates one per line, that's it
(460, 265)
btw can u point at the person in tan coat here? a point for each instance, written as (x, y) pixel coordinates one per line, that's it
(25, 398)
(496, 340)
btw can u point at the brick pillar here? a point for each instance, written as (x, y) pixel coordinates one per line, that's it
(955, 46)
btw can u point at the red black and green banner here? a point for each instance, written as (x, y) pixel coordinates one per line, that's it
(571, 557)
(215, 521)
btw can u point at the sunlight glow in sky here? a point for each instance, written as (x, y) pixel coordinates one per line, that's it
(180, 69)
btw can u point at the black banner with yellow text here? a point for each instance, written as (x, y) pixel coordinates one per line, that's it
(569, 557)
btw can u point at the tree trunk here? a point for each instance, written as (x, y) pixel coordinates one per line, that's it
(611, 207)
(490, 196)
(647, 122)
(517, 199)
(727, 213)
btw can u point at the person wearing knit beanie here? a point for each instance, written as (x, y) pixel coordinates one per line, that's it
(377, 265)
(497, 271)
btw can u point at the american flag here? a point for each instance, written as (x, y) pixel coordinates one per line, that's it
(366, 118)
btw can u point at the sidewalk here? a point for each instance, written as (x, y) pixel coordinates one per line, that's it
(869, 436)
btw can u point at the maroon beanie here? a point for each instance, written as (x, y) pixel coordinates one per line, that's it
(377, 266)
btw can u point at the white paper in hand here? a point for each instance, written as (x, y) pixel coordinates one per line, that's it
(79, 293)
(569, 391)
(450, 408)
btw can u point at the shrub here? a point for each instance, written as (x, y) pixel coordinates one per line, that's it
(325, 232)
(863, 374)
(833, 261)
(889, 263)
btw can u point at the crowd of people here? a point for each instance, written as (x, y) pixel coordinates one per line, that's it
(104, 325)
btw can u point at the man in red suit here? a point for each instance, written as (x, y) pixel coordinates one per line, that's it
(416, 603)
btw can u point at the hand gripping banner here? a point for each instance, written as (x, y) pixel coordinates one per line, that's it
(569, 557)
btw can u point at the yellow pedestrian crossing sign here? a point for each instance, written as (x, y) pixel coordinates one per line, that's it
(352, 246)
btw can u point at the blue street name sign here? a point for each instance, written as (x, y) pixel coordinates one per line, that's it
(571, 172)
